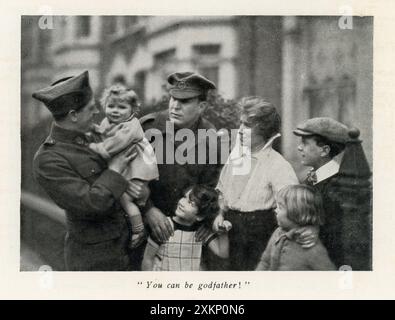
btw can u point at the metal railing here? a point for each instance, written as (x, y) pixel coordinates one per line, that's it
(43, 206)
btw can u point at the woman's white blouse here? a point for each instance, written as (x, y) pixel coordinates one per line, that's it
(249, 181)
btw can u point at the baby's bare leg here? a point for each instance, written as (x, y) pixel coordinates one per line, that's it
(133, 213)
(141, 201)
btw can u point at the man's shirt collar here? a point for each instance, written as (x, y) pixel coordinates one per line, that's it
(329, 169)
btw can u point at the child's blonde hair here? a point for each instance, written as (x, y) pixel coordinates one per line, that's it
(303, 204)
(123, 94)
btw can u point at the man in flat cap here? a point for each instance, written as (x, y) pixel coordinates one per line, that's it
(81, 182)
(188, 100)
(323, 146)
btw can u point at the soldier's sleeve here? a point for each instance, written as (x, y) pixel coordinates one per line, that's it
(74, 194)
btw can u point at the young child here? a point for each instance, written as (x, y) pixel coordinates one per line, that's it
(182, 252)
(297, 206)
(119, 130)
(323, 141)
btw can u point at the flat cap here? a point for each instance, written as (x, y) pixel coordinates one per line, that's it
(325, 127)
(185, 85)
(70, 93)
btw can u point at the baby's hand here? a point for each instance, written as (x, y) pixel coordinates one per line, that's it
(225, 226)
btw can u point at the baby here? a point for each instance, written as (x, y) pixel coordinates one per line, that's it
(119, 130)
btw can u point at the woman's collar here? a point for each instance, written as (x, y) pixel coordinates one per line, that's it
(269, 143)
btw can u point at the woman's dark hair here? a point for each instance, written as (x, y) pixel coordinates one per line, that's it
(206, 200)
(262, 113)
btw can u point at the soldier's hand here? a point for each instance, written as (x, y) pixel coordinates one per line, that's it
(224, 227)
(137, 189)
(307, 236)
(218, 221)
(202, 233)
(160, 225)
(120, 162)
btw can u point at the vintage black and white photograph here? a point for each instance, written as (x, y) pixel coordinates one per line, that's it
(196, 143)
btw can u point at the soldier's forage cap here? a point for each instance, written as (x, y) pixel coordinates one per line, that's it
(71, 93)
(186, 85)
(325, 127)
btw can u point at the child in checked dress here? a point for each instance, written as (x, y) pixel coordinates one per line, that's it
(182, 252)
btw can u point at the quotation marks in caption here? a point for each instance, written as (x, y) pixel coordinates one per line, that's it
(211, 285)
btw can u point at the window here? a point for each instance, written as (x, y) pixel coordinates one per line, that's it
(207, 49)
(210, 73)
(119, 79)
(206, 58)
(165, 57)
(332, 97)
(83, 26)
(164, 64)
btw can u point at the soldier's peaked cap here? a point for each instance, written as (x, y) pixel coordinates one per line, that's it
(70, 93)
(185, 85)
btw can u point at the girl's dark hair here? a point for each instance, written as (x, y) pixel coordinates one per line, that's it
(206, 200)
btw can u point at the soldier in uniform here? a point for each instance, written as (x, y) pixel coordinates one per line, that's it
(81, 182)
(188, 95)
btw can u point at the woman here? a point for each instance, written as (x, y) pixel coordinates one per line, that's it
(249, 181)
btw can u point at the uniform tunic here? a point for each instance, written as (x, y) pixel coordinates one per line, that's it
(175, 177)
(79, 181)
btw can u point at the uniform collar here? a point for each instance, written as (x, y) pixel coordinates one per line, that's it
(268, 145)
(64, 135)
(329, 169)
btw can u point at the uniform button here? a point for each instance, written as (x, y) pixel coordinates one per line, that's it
(93, 170)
